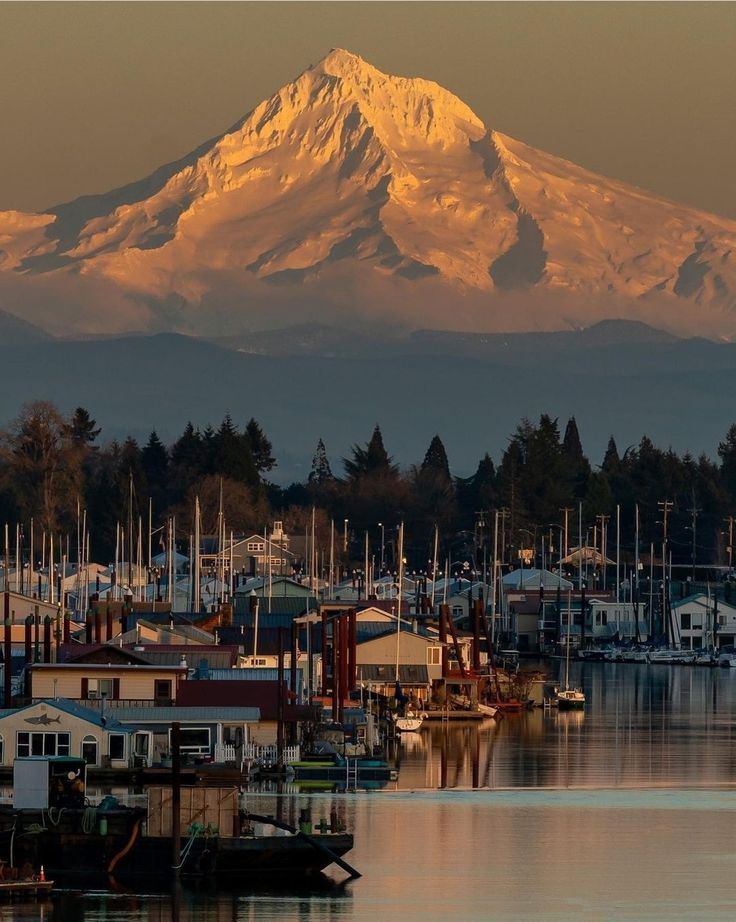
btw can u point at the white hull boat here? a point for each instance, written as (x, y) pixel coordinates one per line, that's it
(409, 723)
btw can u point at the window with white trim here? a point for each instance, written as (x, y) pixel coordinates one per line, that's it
(41, 744)
(434, 656)
(255, 545)
(96, 688)
(195, 740)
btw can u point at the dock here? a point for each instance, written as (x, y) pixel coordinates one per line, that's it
(10, 889)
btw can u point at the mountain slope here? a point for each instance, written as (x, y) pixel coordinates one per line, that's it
(354, 196)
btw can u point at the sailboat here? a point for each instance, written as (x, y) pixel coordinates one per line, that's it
(569, 698)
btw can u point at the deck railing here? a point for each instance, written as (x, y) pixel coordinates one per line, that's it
(268, 755)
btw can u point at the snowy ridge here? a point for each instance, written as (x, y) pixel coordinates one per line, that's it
(353, 195)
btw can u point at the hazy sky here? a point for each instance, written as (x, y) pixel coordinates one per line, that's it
(93, 95)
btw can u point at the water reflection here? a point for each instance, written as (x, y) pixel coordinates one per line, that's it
(642, 726)
(542, 815)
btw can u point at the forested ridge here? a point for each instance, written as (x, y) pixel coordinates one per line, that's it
(54, 464)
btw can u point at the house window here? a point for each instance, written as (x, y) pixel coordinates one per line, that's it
(162, 689)
(98, 688)
(42, 744)
(116, 746)
(257, 661)
(255, 546)
(685, 621)
(434, 656)
(457, 611)
(721, 620)
(89, 750)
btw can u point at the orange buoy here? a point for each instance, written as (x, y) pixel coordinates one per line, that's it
(42, 875)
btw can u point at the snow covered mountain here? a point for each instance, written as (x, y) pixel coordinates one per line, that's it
(363, 198)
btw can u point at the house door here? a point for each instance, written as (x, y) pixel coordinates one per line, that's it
(141, 749)
(89, 750)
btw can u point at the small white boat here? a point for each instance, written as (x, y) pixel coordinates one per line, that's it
(569, 698)
(488, 710)
(409, 723)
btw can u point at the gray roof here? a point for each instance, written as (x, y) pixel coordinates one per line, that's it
(408, 674)
(187, 714)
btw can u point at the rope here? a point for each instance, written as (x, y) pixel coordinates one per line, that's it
(89, 820)
(194, 830)
(54, 814)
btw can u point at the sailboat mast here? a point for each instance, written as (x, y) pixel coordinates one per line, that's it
(398, 599)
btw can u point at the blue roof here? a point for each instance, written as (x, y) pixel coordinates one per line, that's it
(91, 715)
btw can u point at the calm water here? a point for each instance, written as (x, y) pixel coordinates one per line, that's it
(627, 811)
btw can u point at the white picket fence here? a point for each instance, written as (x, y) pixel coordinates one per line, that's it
(268, 755)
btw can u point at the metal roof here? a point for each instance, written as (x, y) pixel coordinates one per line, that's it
(187, 714)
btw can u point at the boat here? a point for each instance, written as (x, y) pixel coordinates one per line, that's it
(488, 710)
(324, 763)
(671, 657)
(569, 698)
(409, 722)
(121, 843)
(52, 825)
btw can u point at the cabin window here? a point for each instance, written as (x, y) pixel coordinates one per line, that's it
(116, 745)
(685, 621)
(257, 661)
(434, 656)
(195, 740)
(89, 750)
(255, 545)
(42, 744)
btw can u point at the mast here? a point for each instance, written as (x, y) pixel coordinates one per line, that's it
(434, 560)
(398, 608)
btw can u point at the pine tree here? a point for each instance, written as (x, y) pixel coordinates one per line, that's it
(82, 428)
(371, 460)
(155, 461)
(260, 447)
(321, 472)
(577, 465)
(435, 459)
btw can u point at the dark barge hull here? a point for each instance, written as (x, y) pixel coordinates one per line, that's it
(71, 856)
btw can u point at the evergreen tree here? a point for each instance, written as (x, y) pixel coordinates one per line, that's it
(435, 460)
(577, 465)
(611, 460)
(727, 454)
(231, 455)
(372, 460)
(321, 472)
(155, 460)
(260, 447)
(82, 428)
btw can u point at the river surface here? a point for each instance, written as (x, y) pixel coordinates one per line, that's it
(626, 811)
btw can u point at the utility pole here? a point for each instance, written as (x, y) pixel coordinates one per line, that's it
(694, 511)
(566, 510)
(503, 515)
(730, 541)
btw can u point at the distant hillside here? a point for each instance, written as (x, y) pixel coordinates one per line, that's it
(678, 392)
(14, 331)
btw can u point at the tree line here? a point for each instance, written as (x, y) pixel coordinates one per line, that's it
(54, 464)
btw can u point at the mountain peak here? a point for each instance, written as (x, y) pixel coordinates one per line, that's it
(351, 193)
(341, 63)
